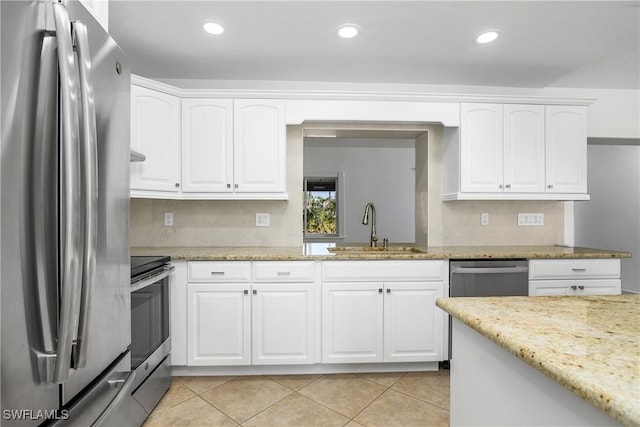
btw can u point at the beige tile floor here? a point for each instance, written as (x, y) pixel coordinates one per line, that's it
(381, 399)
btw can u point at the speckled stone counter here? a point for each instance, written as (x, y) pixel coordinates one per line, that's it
(314, 251)
(590, 345)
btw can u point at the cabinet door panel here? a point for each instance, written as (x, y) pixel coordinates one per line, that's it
(259, 150)
(219, 324)
(524, 170)
(282, 317)
(566, 149)
(155, 132)
(413, 325)
(352, 323)
(207, 145)
(481, 147)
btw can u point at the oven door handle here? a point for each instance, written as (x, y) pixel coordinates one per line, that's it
(488, 270)
(152, 279)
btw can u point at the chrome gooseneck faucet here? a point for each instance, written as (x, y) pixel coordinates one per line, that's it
(374, 239)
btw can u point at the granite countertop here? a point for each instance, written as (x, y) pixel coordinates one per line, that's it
(319, 252)
(590, 345)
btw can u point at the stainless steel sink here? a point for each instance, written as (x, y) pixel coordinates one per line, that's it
(366, 250)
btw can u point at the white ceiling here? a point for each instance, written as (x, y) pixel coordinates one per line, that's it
(589, 44)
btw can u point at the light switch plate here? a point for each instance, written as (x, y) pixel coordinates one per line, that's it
(484, 218)
(527, 219)
(262, 220)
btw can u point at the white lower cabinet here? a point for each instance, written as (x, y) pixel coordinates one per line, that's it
(574, 277)
(366, 321)
(245, 323)
(282, 319)
(219, 324)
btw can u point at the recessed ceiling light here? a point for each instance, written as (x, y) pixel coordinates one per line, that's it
(213, 28)
(487, 37)
(347, 31)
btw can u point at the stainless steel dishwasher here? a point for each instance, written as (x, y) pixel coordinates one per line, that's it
(487, 278)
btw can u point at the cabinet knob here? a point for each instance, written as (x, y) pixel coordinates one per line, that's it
(550, 186)
(228, 185)
(255, 292)
(380, 290)
(235, 185)
(508, 185)
(581, 287)
(177, 184)
(246, 292)
(388, 290)
(574, 287)
(500, 186)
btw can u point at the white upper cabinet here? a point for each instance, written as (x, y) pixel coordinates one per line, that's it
(524, 148)
(517, 152)
(155, 132)
(207, 145)
(260, 144)
(481, 147)
(207, 148)
(566, 134)
(502, 148)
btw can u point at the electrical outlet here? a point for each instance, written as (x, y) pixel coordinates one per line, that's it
(527, 219)
(262, 220)
(168, 219)
(484, 219)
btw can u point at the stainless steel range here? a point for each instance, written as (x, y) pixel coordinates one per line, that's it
(150, 341)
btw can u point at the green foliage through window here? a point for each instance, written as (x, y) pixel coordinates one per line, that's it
(321, 213)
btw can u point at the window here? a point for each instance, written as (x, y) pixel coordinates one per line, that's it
(321, 209)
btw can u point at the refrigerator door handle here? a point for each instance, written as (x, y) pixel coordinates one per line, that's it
(70, 215)
(89, 152)
(124, 381)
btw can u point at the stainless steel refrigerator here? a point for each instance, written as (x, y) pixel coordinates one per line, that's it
(65, 306)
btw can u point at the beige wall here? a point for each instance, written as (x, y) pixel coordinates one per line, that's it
(232, 223)
(224, 222)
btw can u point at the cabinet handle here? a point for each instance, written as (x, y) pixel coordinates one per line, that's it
(388, 290)
(581, 287)
(284, 273)
(579, 270)
(380, 290)
(550, 186)
(228, 185)
(236, 185)
(217, 273)
(246, 292)
(500, 186)
(574, 287)
(508, 185)
(255, 292)
(177, 184)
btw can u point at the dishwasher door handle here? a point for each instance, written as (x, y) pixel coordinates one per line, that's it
(488, 270)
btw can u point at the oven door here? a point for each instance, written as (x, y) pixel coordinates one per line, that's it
(150, 319)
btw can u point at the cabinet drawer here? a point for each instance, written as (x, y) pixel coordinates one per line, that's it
(379, 271)
(283, 271)
(574, 268)
(219, 271)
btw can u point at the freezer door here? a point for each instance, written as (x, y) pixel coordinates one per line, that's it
(107, 403)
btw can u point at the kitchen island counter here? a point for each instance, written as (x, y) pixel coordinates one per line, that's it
(320, 252)
(589, 345)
